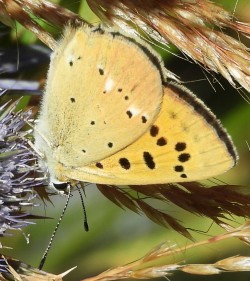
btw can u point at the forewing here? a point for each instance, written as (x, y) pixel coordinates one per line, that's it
(103, 92)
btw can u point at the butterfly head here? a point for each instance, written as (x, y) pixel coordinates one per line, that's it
(53, 170)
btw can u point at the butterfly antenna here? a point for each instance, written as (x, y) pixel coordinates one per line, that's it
(55, 230)
(85, 221)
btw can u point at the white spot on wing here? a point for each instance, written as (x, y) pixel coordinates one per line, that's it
(134, 110)
(109, 85)
(70, 57)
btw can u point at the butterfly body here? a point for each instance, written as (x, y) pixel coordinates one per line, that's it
(109, 116)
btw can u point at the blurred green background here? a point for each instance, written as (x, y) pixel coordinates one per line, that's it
(116, 236)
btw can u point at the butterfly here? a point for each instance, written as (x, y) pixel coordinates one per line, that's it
(109, 115)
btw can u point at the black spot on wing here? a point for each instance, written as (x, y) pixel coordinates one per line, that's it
(125, 164)
(154, 130)
(179, 168)
(129, 113)
(184, 157)
(144, 119)
(180, 146)
(149, 160)
(110, 144)
(99, 165)
(161, 141)
(101, 71)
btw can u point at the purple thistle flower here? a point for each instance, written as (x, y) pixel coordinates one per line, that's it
(18, 169)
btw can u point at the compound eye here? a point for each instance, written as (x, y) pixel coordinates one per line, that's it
(62, 186)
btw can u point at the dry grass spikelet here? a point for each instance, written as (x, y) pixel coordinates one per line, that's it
(143, 268)
(197, 28)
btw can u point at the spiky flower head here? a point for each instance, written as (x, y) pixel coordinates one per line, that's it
(17, 169)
